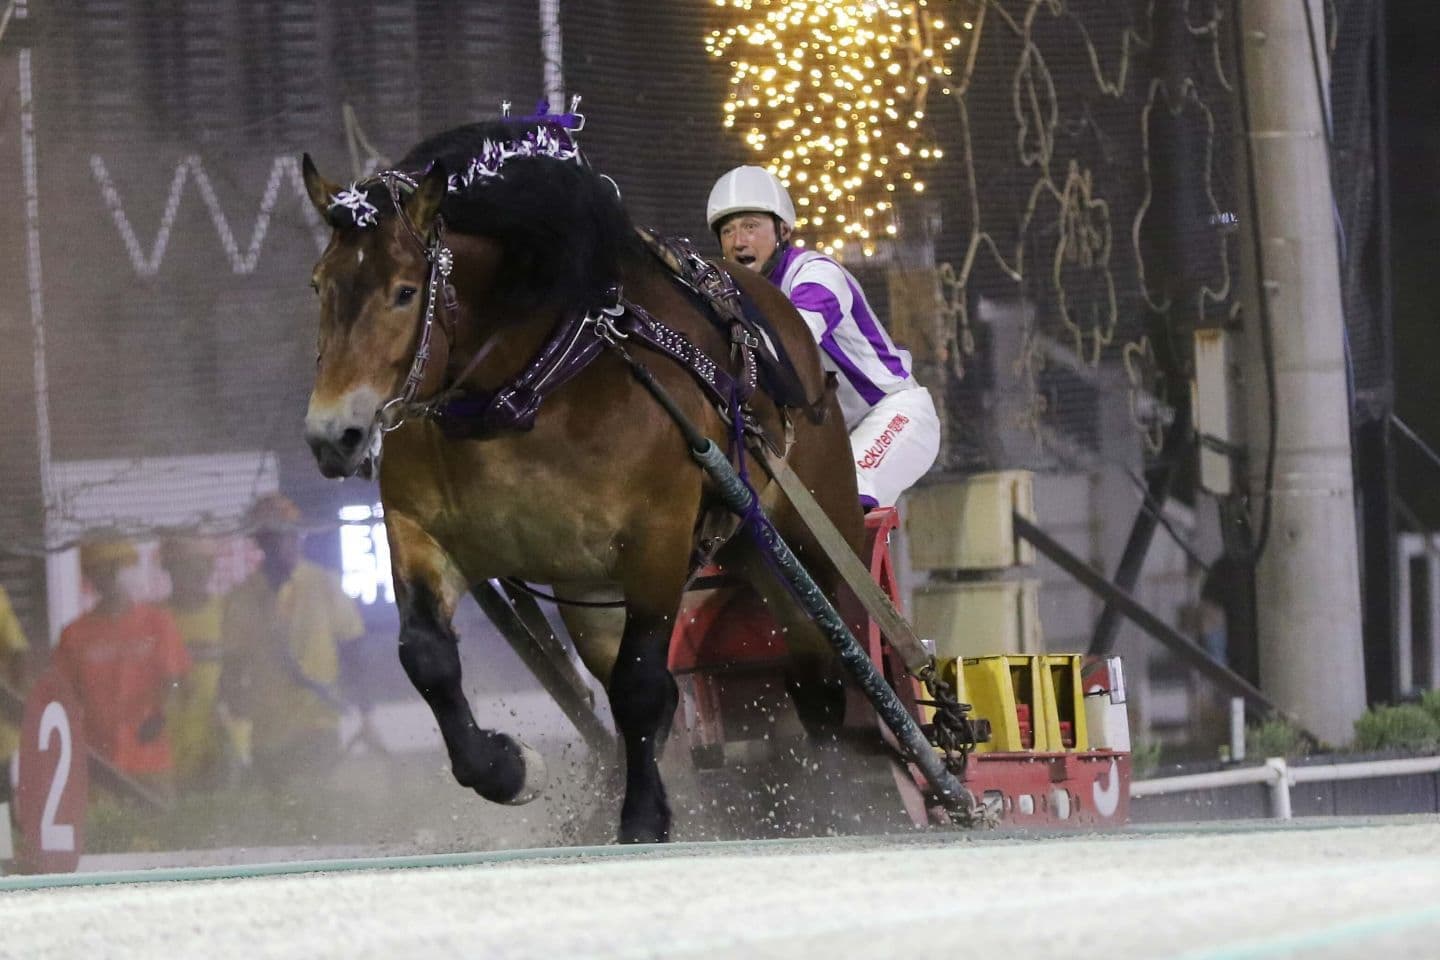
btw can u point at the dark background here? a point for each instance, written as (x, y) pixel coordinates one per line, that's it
(1414, 168)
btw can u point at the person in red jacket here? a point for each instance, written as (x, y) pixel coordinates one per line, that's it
(124, 660)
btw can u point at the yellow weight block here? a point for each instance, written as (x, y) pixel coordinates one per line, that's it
(994, 686)
(1050, 685)
(1064, 695)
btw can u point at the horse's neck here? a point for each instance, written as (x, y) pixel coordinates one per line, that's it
(503, 345)
(510, 343)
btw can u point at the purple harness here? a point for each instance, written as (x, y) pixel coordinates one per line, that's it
(576, 342)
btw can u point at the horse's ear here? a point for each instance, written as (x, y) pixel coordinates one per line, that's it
(422, 205)
(321, 191)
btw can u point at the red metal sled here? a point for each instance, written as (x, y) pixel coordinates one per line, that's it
(728, 653)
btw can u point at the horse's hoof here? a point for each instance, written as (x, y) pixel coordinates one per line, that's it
(535, 776)
(654, 828)
(642, 835)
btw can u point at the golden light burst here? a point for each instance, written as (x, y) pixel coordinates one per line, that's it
(831, 98)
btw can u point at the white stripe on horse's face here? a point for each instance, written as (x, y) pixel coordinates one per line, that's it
(359, 256)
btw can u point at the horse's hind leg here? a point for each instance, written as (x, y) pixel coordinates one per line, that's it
(427, 589)
(643, 697)
(643, 694)
(597, 634)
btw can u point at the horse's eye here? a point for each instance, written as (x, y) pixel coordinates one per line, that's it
(403, 296)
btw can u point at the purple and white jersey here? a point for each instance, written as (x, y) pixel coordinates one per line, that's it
(852, 342)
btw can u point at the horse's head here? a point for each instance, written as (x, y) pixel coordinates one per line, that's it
(531, 231)
(371, 282)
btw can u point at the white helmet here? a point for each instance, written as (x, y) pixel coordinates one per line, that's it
(749, 188)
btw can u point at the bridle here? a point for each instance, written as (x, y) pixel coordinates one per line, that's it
(394, 412)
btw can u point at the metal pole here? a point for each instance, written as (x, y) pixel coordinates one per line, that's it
(1375, 455)
(552, 52)
(862, 669)
(1158, 481)
(1237, 729)
(1383, 589)
(1307, 577)
(1279, 788)
(549, 665)
(34, 278)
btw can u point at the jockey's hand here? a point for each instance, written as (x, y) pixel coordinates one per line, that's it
(153, 726)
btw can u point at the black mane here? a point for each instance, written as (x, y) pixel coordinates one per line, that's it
(564, 232)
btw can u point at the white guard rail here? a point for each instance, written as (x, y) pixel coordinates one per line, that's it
(1280, 777)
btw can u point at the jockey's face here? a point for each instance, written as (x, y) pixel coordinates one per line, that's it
(749, 238)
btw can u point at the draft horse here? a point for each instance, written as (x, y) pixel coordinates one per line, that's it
(449, 280)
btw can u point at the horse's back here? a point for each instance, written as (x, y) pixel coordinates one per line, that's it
(785, 321)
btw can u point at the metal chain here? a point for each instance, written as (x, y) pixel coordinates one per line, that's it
(955, 733)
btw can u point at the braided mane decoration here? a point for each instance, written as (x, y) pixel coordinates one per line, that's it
(524, 184)
(358, 206)
(539, 142)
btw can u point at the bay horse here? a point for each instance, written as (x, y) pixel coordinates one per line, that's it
(594, 493)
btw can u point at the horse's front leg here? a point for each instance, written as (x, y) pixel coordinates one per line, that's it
(427, 589)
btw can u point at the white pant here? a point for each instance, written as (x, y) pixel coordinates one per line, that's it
(895, 443)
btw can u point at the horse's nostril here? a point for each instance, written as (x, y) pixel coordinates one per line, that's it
(351, 439)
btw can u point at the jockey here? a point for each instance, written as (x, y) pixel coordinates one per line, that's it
(894, 431)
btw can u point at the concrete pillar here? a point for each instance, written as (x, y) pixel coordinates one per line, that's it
(1307, 579)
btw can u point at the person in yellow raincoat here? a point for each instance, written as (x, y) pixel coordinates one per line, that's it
(282, 633)
(197, 736)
